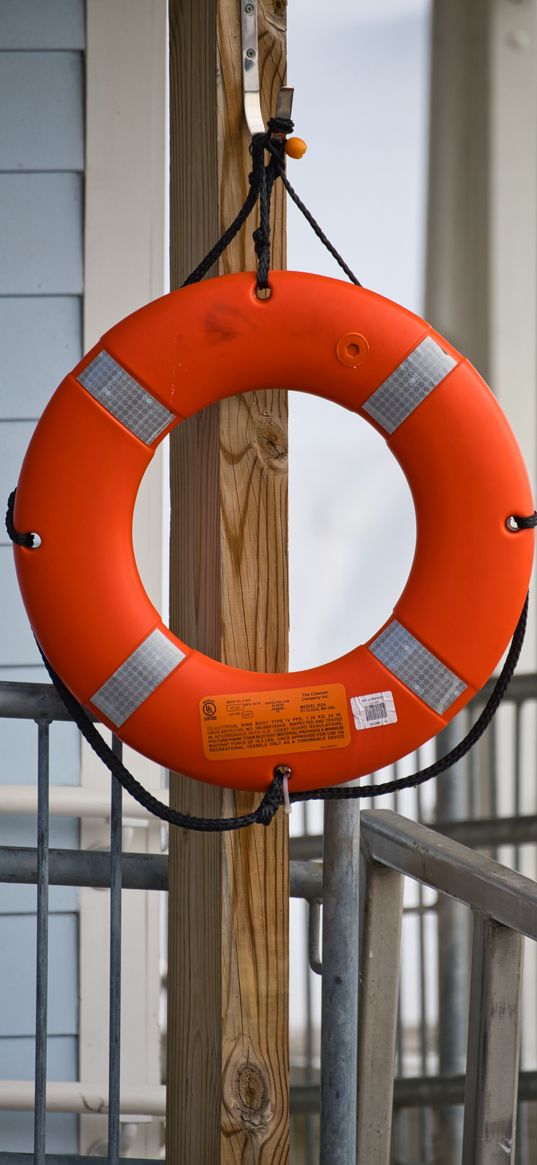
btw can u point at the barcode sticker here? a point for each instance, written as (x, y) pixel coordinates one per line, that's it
(373, 710)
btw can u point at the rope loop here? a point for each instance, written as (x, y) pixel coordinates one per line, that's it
(20, 539)
(271, 171)
(271, 801)
(280, 125)
(274, 796)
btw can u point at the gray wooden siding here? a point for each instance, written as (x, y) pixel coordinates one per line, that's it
(14, 438)
(46, 134)
(41, 284)
(17, 644)
(41, 243)
(42, 24)
(48, 326)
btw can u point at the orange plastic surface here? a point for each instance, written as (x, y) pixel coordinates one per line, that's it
(79, 481)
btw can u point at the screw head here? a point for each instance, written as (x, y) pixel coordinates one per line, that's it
(251, 53)
(248, 8)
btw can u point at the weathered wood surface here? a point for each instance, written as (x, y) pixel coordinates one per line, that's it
(228, 945)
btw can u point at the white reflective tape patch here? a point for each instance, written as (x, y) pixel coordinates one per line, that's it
(137, 678)
(124, 398)
(373, 710)
(409, 384)
(417, 667)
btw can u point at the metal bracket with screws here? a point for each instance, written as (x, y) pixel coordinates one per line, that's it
(250, 73)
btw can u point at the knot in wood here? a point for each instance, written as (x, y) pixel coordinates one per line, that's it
(271, 442)
(252, 1094)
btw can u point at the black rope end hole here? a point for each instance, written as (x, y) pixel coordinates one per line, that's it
(263, 293)
(29, 539)
(516, 522)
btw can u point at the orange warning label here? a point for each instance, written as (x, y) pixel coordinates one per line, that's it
(261, 723)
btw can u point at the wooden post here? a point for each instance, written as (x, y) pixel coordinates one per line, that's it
(227, 1071)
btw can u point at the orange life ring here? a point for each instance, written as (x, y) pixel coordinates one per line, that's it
(87, 604)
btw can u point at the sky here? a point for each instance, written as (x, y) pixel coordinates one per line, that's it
(360, 72)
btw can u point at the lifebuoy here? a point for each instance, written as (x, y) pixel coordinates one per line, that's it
(87, 604)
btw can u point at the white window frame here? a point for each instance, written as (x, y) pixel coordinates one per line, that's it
(126, 265)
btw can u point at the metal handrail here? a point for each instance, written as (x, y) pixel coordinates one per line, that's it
(437, 861)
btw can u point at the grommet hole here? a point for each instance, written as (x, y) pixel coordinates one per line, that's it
(512, 524)
(37, 541)
(263, 293)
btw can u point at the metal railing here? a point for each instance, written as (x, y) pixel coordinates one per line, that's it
(504, 904)
(488, 801)
(44, 867)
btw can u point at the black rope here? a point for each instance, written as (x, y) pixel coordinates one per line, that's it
(261, 236)
(263, 815)
(27, 539)
(255, 178)
(261, 181)
(273, 797)
(280, 166)
(280, 125)
(455, 754)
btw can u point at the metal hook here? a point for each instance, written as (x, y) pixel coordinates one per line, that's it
(250, 74)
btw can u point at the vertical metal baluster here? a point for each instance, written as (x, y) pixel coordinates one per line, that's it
(400, 1060)
(493, 776)
(472, 785)
(425, 1113)
(310, 1128)
(40, 1111)
(517, 763)
(382, 913)
(115, 966)
(400, 1129)
(453, 951)
(523, 1141)
(423, 967)
(490, 1096)
(339, 1023)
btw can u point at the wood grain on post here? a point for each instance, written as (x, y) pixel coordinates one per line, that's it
(227, 1071)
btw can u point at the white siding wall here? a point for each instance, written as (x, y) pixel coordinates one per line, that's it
(125, 266)
(41, 284)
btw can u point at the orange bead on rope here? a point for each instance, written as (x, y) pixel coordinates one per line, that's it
(295, 147)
